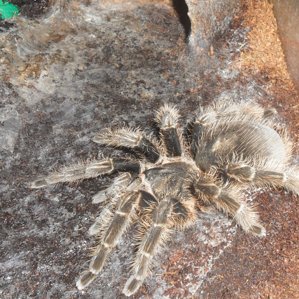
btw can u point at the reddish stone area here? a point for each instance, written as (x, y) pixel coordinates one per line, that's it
(261, 268)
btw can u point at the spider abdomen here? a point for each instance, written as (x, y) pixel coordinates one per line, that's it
(241, 141)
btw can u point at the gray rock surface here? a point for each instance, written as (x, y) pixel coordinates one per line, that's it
(66, 77)
(209, 19)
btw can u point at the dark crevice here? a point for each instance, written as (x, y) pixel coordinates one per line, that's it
(4, 25)
(181, 9)
(32, 9)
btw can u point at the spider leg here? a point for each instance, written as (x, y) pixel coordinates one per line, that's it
(112, 193)
(244, 215)
(152, 239)
(130, 138)
(184, 211)
(245, 173)
(199, 128)
(87, 170)
(196, 135)
(228, 201)
(112, 230)
(288, 179)
(117, 186)
(167, 118)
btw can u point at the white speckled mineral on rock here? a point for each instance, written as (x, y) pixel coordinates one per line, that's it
(68, 70)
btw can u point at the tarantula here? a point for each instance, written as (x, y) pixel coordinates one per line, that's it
(230, 148)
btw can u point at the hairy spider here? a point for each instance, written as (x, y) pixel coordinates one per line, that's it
(230, 148)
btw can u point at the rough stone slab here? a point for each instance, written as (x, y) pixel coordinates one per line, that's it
(209, 19)
(101, 66)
